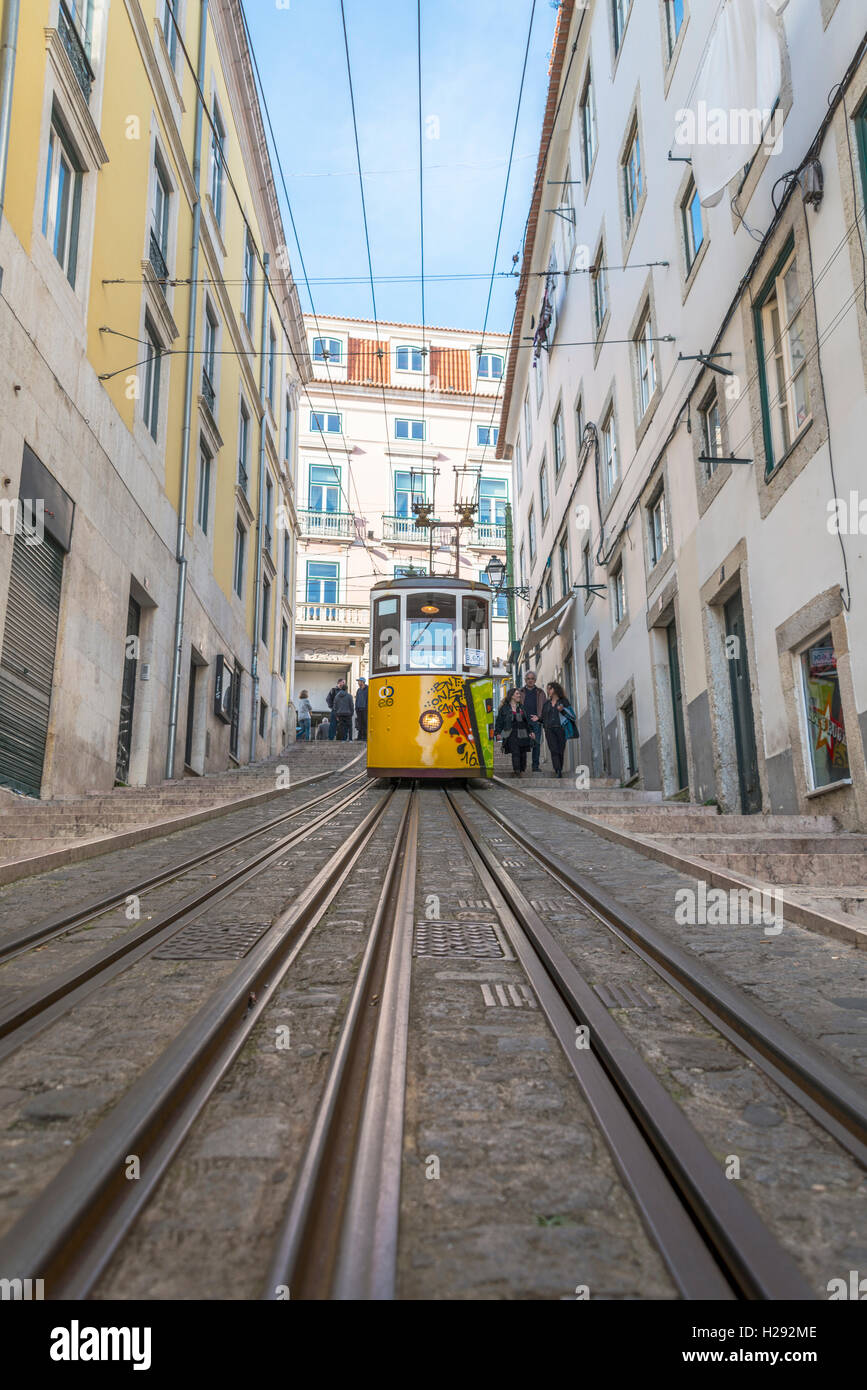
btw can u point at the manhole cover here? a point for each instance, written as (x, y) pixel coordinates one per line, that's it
(212, 942)
(478, 940)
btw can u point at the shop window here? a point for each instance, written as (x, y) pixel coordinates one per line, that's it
(826, 729)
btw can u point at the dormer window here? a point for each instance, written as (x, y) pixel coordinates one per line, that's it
(410, 359)
(327, 350)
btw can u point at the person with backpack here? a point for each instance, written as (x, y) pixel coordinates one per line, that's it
(513, 726)
(343, 709)
(329, 700)
(361, 709)
(559, 723)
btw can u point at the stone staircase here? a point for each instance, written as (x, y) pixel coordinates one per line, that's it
(31, 829)
(816, 866)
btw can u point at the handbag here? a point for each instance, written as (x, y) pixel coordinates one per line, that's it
(567, 722)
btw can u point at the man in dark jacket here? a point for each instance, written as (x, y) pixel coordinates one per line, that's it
(361, 709)
(329, 700)
(533, 701)
(343, 708)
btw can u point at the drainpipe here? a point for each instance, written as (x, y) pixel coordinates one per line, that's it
(257, 608)
(181, 545)
(8, 46)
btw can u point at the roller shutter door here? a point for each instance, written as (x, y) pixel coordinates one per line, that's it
(27, 661)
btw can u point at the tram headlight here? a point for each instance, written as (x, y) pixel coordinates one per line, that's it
(431, 721)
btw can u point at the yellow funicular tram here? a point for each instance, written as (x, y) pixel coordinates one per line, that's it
(430, 711)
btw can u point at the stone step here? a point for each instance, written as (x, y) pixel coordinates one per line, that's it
(778, 869)
(777, 842)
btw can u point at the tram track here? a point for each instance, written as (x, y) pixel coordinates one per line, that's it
(80, 1218)
(800, 1070)
(713, 1242)
(37, 1008)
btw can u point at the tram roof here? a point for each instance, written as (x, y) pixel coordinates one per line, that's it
(431, 581)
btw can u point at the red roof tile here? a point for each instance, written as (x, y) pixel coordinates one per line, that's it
(451, 369)
(367, 362)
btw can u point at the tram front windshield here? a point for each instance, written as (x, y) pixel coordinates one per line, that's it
(430, 620)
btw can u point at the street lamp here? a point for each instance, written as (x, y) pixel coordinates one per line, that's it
(496, 572)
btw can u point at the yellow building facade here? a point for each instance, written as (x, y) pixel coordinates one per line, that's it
(152, 353)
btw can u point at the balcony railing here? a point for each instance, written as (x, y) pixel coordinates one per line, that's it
(76, 51)
(333, 525)
(334, 615)
(486, 533)
(208, 391)
(403, 528)
(158, 261)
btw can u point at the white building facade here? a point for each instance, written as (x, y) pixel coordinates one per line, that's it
(685, 406)
(397, 415)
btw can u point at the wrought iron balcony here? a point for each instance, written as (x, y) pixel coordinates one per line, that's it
(332, 525)
(158, 261)
(208, 391)
(75, 49)
(349, 616)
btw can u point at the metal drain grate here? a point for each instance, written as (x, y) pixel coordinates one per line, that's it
(624, 997)
(476, 940)
(475, 904)
(212, 942)
(508, 996)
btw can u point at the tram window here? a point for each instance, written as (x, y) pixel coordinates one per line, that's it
(386, 635)
(475, 625)
(431, 626)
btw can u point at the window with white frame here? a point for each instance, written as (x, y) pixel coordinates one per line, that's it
(243, 447)
(579, 425)
(657, 528)
(673, 23)
(487, 435)
(645, 361)
(567, 213)
(610, 459)
(327, 350)
(203, 504)
(522, 567)
(249, 279)
(587, 567)
(539, 374)
(61, 216)
(711, 432)
(630, 760)
(519, 466)
(409, 487)
(783, 378)
(493, 497)
(618, 596)
(565, 581)
(288, 430)
(323, 581)
(240, 560)
(549, 593)
(543, 487)
(490, 366)
(159, 240)
(587, 109)
(553, 293)
(325, 422)
(266, 622)
(528, 423)
(284, 647)
(269, 513)
(620, 14)
(632, 174)
(323, 493)
(218, 164)
(531, 534)
(559, 441)
(169, 10)
(209, 359)
(151, 394)
(409, 429)
(693, 227)
(410, 359)
(599, 286)
(272, 366)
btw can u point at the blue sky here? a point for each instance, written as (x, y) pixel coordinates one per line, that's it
(472, 54)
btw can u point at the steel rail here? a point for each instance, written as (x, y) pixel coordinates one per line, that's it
(69, 1234)
(665, 1162)
(338, 1238)
(36, 1009)
(70, 918)
(824, 1091)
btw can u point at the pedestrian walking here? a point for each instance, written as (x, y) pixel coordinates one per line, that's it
(361, 709)
(329, 700)
(533, 701)
(513, 727)
(559, 723)
(305, 715)
(343, 709)
(322, 730)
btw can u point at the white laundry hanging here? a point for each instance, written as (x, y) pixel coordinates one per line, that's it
(735, 92)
